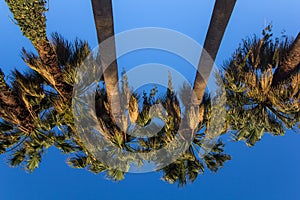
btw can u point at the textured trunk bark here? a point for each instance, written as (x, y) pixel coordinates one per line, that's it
(103, 16)
(49, 59)
(220, 18)
(290, 63)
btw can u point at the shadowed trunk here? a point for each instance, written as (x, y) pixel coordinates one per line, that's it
(49, 59)
(220, 18)
(290, 64)
(103, 16)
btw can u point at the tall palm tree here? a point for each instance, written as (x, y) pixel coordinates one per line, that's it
(220, 18)
(104, 21)
(71, 55)
(26, 107)
(56, 62)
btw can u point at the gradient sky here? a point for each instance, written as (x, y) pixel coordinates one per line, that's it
(270, 170)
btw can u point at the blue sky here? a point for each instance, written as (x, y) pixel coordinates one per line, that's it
(270, 170)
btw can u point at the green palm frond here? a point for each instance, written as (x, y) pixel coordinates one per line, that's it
(30, 17)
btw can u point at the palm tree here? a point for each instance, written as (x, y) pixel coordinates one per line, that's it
(103, 16)
(33, 115)
(255, 105)
(220, 18)
(56, 63)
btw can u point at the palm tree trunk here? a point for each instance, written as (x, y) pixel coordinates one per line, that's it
(50, 68)
(220, 18)
(290, 64)
(103, 16)
(55, 75)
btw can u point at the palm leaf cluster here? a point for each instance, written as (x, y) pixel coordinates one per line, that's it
(34, 115)
(141, 111)
(26, 125)
(190, 164)
(255, 105)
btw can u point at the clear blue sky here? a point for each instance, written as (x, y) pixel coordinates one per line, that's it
(270, 170)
